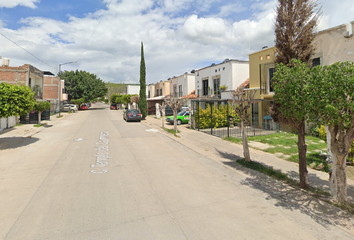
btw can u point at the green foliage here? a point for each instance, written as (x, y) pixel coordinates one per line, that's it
(322, 133)
(82, 84)
(142, 93)
(290, 84)
(78, 102)
(350, 157)
(115, 89)
(333, 95)
(41, 106)
(121, 99)
(219, 116)
(172, 131)
(286, 144)
(267, 170)
(15, 100)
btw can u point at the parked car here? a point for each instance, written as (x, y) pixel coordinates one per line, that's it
(113, 107)
(70, 107)
(169, 111)
(151, 110)
(83, 107)
(182, 117)
(132, 115)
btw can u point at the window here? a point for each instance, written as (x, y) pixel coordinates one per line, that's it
(180, 92)
(148, 94)
(268, 56)
(216, 84)
(175, 90)
(271, 74)
(255, 114)
(29, 82)
(261, 58)
(205, 87)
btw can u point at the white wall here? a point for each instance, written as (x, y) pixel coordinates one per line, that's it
(232, 74)
(133, 89)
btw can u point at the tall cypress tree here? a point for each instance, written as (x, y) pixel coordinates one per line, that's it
(142, 93)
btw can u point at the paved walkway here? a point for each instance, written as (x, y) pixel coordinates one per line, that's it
(226, 153)
(220, 150)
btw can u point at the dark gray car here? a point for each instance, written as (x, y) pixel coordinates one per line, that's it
(132, 115)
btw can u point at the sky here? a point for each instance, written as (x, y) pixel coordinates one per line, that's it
(104, 37)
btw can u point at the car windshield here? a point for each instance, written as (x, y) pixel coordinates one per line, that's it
(181, 113)
(133, 111)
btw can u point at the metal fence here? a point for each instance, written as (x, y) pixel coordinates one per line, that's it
(218, 118)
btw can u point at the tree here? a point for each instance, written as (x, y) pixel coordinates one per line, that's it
(333, 103)
(15, 100)
(82, 84)
(163, 107)
(175, 104)
(292, 95)
(294, 34)
(115, 89)
(78, 102)
(142, 93)
(40, 107)
(295, 29)
(242, 102)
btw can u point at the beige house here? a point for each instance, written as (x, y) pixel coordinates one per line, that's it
(332, 45)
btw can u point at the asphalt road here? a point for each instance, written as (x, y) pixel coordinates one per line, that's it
(94, 176)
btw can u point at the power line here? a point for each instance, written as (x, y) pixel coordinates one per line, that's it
(27, 51)
(99, 22)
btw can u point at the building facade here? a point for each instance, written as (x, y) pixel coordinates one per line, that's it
(229, 74)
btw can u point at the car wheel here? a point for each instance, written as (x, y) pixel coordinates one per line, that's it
(179, 122)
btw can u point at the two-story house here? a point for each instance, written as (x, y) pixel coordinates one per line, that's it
(182, 86)
(230, 73)
(332, 45)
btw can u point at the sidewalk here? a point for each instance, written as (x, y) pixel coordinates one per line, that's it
(226, 153)
(28, 129)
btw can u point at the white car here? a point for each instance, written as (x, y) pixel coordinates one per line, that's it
(70, 107)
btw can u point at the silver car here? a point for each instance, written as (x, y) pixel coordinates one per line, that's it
(70, 107)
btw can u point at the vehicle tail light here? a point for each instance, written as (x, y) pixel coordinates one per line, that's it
(139, 114)
(129, 114)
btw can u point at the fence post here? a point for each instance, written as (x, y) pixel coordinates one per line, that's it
(228, 120)
(211, 118)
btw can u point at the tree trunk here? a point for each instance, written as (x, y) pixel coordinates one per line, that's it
(246, 150)
(163, 118)
(302, 148)
(338, 181)
(175, 120)
(39, 117)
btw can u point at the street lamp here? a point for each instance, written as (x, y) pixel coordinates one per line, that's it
(59, 84)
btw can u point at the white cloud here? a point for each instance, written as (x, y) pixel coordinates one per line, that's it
(107, 42)
(15, 3)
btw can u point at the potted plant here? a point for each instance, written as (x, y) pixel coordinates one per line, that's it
(223, 88)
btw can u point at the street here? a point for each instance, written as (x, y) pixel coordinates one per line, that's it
(94, 176)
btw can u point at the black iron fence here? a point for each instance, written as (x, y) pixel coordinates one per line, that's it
(218, 118)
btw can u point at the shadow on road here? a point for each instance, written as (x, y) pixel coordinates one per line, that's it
(291, 198)
(15, 142)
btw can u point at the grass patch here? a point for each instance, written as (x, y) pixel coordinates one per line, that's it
(60, 116)
(19, 124)
(269, 171)
(38, 125)
(172, 131)
(279, 175)
(286, 143)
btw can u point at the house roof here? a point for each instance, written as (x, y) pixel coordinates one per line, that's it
(245, 84)
(192, 95)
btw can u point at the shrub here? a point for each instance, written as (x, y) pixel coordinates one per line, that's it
(322, 133)
(219, 116)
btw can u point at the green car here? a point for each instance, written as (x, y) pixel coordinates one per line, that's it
(182, 117)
